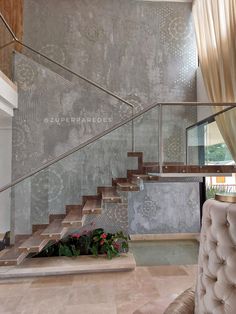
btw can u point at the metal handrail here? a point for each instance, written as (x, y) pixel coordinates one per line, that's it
(102, 134)
(77, 148)
(105, 90)
(211, 118)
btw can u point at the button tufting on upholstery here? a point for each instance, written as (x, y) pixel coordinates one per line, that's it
(207, 257)
(203, 291)
(217, 269)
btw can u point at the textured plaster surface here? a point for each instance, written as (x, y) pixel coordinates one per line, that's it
(165, 208)
(145, 52)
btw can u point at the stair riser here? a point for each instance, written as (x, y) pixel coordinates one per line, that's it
(72, 224)
(15, 261)
(128, 189)
(112, 200)
(92, 211)
(34, 249)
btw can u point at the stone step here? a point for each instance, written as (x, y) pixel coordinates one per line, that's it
(92, 206)
(73, 218)
(34, 244)
(12, 256)
(55, 230)
(51, 266)
(109, 195)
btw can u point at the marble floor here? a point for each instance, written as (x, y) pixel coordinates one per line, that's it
(101, 293)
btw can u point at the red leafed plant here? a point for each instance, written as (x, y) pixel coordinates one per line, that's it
(93, 242)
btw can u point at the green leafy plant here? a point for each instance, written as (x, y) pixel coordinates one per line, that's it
(93, 242)
(212, 190)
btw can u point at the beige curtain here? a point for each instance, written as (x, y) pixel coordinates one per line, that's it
(215, 25)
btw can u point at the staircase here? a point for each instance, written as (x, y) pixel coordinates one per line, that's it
(62, 225)
(75, 215)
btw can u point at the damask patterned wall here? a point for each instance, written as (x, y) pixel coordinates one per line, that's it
(143, 51)
(165, 208)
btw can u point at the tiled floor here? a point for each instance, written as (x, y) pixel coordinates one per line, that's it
(104, 293)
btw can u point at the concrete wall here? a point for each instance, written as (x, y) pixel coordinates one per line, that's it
(5, 170)
(144, 52)
(203, 112)
(165, 208)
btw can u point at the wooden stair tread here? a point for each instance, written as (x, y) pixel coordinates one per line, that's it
(12, 256)
(73, 218)
(109, 194)
(172, 168)
(35, 243)
(92, 206)
(135, 154)
(55, 230)
(150, 164)
(127, 186)
(144, 177)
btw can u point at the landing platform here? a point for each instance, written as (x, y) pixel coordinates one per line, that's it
(55, 266)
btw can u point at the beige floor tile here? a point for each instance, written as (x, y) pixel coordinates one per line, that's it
(91, 293)
(52, 281)
(38, 299)
(173, 285)
(95, 278)
(9, 304)
(14, 288)
(160, 271)
(107, 293)
(99, 308)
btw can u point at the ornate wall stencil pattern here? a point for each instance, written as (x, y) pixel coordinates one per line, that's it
(25, 74)
(54, 52)
(148, 208)
(114, 218)
(165, 208)
(106, 43)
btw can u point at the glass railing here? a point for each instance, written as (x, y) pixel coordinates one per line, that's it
(191, 140)
(167, 134)
(81, 173)
(205, 143)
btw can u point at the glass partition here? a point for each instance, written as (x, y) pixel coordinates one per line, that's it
(191, 141)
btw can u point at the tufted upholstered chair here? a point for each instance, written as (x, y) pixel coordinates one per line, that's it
(216, 282)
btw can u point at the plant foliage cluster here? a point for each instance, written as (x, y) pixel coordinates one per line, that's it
(93, 242)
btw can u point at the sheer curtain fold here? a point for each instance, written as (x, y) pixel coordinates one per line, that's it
(215, 26)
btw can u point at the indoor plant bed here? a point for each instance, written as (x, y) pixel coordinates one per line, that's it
(95, 242)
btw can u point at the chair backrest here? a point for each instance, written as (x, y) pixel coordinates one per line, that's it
(216, 283)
